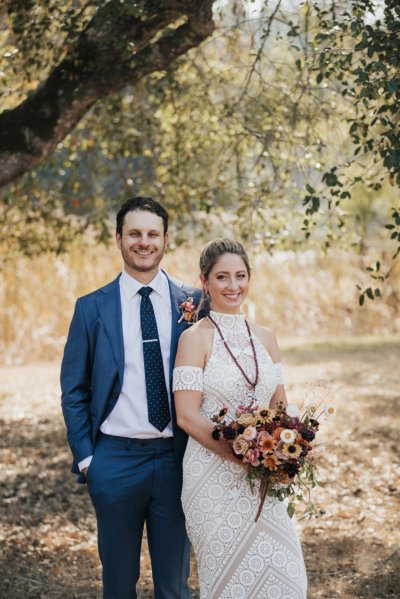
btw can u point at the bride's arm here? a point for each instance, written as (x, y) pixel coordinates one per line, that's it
(192, 352)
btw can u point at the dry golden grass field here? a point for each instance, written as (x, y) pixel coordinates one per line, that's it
(299, 295)
(48, 539)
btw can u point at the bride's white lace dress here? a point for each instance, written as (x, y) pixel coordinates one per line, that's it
(237, 557)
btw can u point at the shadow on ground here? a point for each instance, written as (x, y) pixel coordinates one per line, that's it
(50, 547)
(48, 528)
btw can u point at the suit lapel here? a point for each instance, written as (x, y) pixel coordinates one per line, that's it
(109, 306)
(177, 296)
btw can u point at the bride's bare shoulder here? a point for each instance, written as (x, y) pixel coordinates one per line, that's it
(199, 330)
(269, 341)
(194, 344)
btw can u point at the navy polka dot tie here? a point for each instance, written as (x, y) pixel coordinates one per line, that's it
(157, 395)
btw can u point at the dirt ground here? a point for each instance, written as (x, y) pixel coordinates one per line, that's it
(48, 530)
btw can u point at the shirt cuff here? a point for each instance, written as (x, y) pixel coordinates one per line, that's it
(85, 463)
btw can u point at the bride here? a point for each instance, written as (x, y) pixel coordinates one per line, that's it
(223, 362)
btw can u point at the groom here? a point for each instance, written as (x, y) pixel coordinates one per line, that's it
(119, 410)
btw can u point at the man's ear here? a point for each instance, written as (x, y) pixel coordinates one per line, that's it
(118, 240)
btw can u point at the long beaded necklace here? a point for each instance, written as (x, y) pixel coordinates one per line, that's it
(250, 382)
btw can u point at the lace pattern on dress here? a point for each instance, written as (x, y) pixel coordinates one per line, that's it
(278, 371)
(187, 378)
(237, 557)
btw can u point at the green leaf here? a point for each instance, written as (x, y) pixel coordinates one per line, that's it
(330, 179)
(370, 293)
(291, 508)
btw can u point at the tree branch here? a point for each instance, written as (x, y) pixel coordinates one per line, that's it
(117, 48)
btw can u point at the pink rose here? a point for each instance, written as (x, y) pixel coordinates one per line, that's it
(251, 457)
(240, 445)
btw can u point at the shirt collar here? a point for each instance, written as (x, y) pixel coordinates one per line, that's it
(131, 286)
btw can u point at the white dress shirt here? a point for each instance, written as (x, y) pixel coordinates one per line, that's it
(129, 417)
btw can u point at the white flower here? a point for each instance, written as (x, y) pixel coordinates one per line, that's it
(250, 433)
(288, 436)
(311, 409)
(329, 409)
(292, 411)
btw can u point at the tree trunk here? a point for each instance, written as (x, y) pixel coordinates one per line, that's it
(116, 49)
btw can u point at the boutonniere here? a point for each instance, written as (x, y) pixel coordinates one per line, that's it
(188, 310)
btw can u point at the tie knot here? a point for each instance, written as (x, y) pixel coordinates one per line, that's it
(145, 292)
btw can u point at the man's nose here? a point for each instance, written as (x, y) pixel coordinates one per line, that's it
(144, 240)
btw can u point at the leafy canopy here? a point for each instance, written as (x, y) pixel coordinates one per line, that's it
(281, 127)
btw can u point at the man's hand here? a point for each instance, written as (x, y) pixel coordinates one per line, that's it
(84, 470)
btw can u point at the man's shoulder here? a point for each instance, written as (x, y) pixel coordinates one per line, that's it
(93, 295)
(194, 292)
(188, 290)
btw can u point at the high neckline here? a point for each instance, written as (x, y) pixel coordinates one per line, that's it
(228, 321)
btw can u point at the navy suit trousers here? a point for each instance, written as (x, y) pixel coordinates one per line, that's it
(132, 482)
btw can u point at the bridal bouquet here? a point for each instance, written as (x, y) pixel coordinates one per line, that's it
(277, 446)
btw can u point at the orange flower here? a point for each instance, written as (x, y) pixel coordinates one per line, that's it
(188, 310)
(271, 462)
(277, 433)
(266, 442)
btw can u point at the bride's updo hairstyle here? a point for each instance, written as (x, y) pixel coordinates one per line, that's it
(216, 248)
(210, 255)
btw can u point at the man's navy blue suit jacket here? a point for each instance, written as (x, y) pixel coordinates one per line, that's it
(92, 368)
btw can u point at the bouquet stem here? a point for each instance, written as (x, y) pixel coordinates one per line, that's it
(263, 494)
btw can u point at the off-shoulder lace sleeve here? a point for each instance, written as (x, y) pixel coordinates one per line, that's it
(278, 371)
(187, 378)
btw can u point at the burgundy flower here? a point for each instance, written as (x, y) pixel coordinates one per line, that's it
(229, 433)
(290, 468)
(308, 434)
(216, 434)
(269, 427)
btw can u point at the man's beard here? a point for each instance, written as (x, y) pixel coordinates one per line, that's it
(140, 269)
(134, 266)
